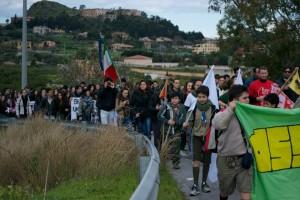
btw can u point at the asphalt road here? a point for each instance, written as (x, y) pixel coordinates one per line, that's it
(184, 179)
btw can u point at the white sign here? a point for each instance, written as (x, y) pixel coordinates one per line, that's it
(32, 103)
(74, 107)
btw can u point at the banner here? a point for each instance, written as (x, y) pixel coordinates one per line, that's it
(32, 105)
(284, 101)
(74, 107)
(274, 135)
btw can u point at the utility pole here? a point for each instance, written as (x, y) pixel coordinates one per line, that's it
(24, 45)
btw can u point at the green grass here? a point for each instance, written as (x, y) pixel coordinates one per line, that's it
(120, 186)
(168, 188)
(10, 76)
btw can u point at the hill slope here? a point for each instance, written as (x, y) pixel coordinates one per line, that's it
(56, 15)
(46, 9)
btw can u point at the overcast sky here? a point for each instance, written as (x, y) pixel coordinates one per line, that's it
(189, 15)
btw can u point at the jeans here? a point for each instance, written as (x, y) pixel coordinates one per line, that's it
(107, 117)
(144, 126)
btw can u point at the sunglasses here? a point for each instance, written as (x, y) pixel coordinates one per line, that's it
(287, 72)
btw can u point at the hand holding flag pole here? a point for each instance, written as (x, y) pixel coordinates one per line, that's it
(290, 77)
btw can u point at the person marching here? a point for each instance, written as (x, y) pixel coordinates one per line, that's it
(232, 146)
(199, 120)
(172, 117)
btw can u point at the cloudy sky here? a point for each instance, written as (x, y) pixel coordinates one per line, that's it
(189, 15)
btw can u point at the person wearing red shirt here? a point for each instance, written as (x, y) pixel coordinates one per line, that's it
(259, 88)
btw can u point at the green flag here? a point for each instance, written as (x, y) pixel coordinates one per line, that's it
(274, 135)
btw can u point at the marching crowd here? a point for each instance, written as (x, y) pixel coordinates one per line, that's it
(142, 106)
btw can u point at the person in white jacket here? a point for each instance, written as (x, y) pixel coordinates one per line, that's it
(23, 108)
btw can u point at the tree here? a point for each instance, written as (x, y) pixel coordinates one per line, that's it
(266, 31)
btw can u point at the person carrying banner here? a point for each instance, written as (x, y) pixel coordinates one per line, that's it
(199, 120)
(172, 116)
(231, 148)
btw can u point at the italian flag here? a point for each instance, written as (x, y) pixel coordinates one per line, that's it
(106, 63)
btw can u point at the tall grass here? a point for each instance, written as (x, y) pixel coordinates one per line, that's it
(30, 151)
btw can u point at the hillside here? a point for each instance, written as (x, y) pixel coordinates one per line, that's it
(56, 15)
(47, 9)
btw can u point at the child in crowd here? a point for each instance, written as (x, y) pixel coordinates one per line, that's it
(271, 100)
(200, 121)
(172, 116)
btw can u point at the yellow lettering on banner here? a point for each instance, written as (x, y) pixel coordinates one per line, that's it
(280, 147)
(276, 148)
(260, 146)
(295, 140)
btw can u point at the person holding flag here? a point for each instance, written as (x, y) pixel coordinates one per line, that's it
(288, 88)
(199, 119)
(105, 61)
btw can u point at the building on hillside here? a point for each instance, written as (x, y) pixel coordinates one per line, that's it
(138, 60)
(19, 45)
(47, 44)
(57, 31)
(83, 34)
(121, 46)
(147, 42)
(120, 35)
(94, 12)
(206, 47)
(41, 30)
(112, 12)
(163, 39)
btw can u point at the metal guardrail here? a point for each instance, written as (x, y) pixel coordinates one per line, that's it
(149, 165)
(149, 184)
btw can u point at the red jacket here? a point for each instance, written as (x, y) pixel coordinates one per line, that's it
(258, 88)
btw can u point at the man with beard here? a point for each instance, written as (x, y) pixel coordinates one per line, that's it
(259, 88)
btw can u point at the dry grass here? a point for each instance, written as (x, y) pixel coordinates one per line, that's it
(26, 150)
(166, 143)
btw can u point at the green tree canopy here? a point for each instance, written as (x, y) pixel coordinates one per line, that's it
(260, 32)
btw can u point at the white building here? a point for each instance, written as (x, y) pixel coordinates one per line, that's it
(138, 60)
(41, 30)
(206, 47)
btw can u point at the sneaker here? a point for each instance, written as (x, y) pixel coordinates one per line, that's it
(195, 190)
(176, 166)
(205, 188)
(183, 154)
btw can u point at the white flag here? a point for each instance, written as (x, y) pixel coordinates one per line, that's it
(190, 101)
(210, 82)
(239, 79)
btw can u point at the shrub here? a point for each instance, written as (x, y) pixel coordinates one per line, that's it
(30, 151)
